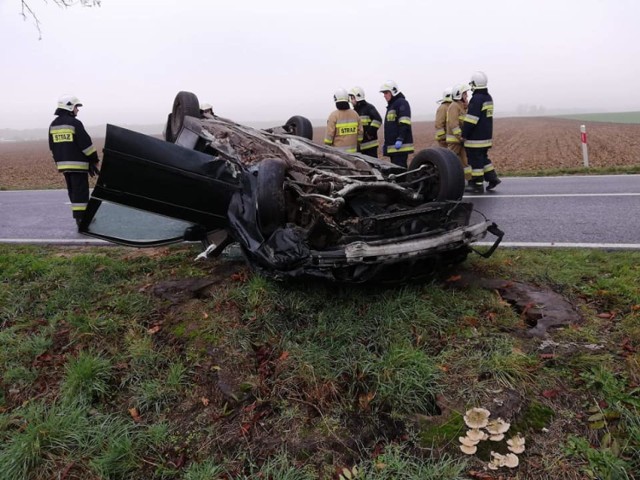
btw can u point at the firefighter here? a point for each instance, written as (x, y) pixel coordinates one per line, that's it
(398, 137)
(344, 128)
(477, 131)
(73, 152)
(206, 110)
(455, 113)
(441, 118)
(371, 121)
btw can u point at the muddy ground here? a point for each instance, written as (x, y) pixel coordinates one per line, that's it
(521, 145)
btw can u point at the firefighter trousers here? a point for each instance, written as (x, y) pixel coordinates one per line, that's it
(460, 151)
(481, 167)
(78, 190)
(399, 159)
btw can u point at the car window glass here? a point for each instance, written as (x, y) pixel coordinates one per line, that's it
(126, 223)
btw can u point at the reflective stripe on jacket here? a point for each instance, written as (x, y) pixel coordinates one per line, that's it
(477, 127)
(371, 122)
(455, 114)
(70, 143)
(441, 121)
(344, 130)
(397, 126)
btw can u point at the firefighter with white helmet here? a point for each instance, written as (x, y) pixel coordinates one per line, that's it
(371, 121)
(344, 128)
(398, 136)
(455, 113)
(206, 110)
(73, 151)
(477, 130)
(441, 118)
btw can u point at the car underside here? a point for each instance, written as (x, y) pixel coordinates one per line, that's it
(295, 208)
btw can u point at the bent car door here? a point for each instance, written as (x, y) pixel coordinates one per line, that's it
(152, 192)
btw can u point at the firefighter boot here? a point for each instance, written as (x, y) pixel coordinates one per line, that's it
(474, 188)
(492, 178)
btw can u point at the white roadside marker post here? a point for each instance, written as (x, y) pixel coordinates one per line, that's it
(585, 152)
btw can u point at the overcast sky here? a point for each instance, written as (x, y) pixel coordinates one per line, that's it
(261, 60)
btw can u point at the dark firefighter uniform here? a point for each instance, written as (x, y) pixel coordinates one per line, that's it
(477, 131)
(73, 151)
(397, 126)
(371, 122)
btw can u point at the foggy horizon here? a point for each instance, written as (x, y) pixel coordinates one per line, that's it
(262, 62)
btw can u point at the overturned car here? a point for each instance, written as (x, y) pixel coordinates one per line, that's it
(295, 208)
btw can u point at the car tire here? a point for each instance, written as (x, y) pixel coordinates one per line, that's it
(186, 104)
(299, 126)
(270, 195)
(167, 130)
(447, 182)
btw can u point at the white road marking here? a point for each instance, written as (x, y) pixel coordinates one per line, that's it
(56, 241)
(545, 195)
(604, 246)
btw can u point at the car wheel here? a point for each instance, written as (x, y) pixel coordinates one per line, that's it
(299, 126)
(270, 195)
(167, 130)
(446, 180)
(186, 104)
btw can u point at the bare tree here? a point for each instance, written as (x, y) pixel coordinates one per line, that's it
(28, 12)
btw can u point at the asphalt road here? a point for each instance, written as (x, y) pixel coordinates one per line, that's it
(577, 211)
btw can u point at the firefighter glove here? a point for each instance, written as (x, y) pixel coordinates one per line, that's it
(398, 144)
(93, 170)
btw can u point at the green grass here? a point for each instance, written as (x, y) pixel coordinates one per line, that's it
(257, 379)
(617, 170)
(614, 117)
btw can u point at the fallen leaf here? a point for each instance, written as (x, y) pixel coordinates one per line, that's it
(154, 329)
(283, 356)
(454, 278)
(470, 321)
(365, 399)
(550, 393)
(204, 400)
(607, 315)
(133, 411)
(547, 356)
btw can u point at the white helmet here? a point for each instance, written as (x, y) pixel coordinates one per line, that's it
(458, 90)
(478, 80)
(357, 92)
(206, 106)
(446, 95)
(390, 86)
(340, 95)
(68, 102)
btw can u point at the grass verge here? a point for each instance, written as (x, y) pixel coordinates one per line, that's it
(120, 363)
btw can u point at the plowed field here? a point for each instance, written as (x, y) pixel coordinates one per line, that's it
(520, 144)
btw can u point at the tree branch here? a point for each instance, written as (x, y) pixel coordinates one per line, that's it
(26, 10)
